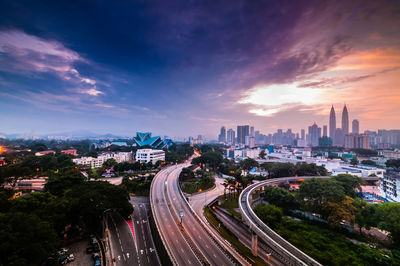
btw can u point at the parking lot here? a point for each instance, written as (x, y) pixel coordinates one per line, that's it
(79, 251)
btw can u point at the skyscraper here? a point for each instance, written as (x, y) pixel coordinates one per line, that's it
(252, 131)
(325, 134)
(303, 134)
(345, 121)
(242, 132)
(315, 134)
(356, 127)
(222, 135)
(332, 124)
(231, 136)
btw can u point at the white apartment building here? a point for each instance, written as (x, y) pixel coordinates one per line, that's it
(150, 155)
(389, 186)
(119, 157)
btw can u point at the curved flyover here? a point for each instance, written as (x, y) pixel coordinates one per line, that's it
(290, 253)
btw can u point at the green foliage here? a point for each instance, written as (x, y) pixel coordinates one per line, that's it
(316, 191)
(349, 183)
(262, 154)
(365, 152)
(177, 153)
(281, 198)
(269, 214)
(277, 170)
(248, 164)
(369, 162)
(186, 174)
(211, 158)
(66, 179)
(138, 186)
(204, 180)
(389, 219)
(393, 163)
(354, 161)
(25, 239)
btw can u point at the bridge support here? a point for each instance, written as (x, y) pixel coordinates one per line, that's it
(254, 244)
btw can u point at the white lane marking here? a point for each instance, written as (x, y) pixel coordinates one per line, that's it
(189, 262)
(124, 257)
(122, 249)
(214, 255)
(207, 246)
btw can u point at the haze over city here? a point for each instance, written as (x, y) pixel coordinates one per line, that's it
(179, 68)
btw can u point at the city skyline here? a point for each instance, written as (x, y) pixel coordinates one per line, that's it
(184, 69)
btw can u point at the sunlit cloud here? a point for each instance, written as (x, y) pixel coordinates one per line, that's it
(92, 91)
(271, 99)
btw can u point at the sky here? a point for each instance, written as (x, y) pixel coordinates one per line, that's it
(183, 68)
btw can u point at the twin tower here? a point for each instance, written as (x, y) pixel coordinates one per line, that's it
(337, 134)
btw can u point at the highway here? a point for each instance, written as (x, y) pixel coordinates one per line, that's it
(289, 252)
(164, 188)
(175, 243)
(146, 253)
(121, 240)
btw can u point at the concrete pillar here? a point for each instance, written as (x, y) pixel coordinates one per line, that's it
(254, 244)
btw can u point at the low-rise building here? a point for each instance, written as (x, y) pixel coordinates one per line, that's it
(41, 153)
(150, 155)
(35, 184)
(389, 186)
(72, 152)
(92, 162)
(363, 171)
(390, 154)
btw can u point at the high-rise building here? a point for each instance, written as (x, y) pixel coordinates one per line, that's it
(332, 124)
(339, 137)
(355, 127)
(242, 132)
(252, 132)
(357, 141)
(222, 135)
(303, 134)
(315, 133)
(345, 120)
(231, 136)
(325, 134)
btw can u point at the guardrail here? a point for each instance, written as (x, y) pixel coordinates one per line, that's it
(274, 240)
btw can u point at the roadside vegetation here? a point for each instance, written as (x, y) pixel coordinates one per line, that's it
(192, 182)
(335, 207)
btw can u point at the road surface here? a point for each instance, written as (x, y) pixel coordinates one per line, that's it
(146, 252)
(175, 243)
(121, 240)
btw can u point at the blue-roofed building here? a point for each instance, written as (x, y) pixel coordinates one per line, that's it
(145, 139)
(119, 143)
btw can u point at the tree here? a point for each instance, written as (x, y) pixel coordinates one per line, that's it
(317, 191)
(343, 210)
(368, 162)
(262, 154)
(281, 198)
(248, 163)
(389, 219)
(393, 163)
(365, 215)
(186, 174)
(271, 215)
(354, 161)
(25, 239)
(349, 183)
(212, 158)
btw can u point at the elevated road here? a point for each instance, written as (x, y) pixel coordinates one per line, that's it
(167, 203)
(290, 253)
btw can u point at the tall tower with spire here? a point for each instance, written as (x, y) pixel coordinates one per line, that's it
(345, 120)
(332, 123)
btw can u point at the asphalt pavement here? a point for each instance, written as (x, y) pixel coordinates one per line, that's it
(121, 240)
(146, 252)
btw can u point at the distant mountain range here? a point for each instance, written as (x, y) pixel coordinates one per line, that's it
(78, 134)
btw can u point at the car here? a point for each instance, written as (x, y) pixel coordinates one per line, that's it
(96, 256)
(93, 241)
(63, 259)
(89, 250)
(97, 262)
(71, 257)
(96, 248)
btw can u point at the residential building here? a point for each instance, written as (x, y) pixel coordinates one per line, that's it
(92, 162)
(325, 131)
(150, 155)
(395, 154)
(355, 127)
(242, 132)
(231, 136)
(315, 133)
(357, 141)
(222, 135)
(389, 186)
